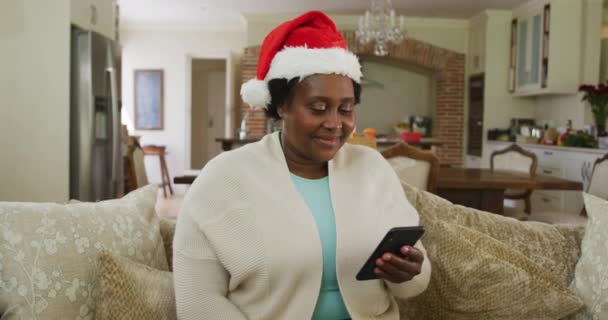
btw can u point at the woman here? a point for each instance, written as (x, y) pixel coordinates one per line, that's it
(278, 229)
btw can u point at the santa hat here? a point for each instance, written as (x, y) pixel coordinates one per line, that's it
(309, 44)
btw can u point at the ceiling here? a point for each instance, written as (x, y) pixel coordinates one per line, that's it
(213, 13)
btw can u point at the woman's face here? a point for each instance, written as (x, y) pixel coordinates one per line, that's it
(318, 117)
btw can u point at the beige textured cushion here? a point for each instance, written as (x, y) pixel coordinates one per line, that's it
(167, 231)
(477, 277)
(130, 290)
(591, 277)
(48, 256)
(554, 248)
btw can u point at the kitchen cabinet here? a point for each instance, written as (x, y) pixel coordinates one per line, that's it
(562, 162)
(477, 44)
(95, 15)
(545, 48)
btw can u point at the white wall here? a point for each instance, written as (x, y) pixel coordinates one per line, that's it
(35, 101)
(403, 93)
(171, 51)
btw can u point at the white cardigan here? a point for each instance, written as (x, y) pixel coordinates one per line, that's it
(247, 246)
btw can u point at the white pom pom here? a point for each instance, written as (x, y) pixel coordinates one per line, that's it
(255, 93)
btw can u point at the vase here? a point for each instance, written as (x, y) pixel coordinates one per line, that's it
(600, 114)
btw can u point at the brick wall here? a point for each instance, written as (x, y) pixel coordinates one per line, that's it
(448, 66)
(256, 122)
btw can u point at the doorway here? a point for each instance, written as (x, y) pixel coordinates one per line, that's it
(208, 109)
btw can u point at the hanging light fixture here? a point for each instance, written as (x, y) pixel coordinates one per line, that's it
(381, 25)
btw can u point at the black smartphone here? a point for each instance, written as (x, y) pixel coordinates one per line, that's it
(392, 242)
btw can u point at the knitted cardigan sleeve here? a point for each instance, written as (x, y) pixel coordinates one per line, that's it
(201, 282)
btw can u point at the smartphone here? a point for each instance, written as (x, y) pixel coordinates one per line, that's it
(392, 242)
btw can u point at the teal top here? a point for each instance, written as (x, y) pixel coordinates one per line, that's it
(318, 198)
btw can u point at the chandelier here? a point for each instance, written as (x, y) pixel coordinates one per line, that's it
(381, 25)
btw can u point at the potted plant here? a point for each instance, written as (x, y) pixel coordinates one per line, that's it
(597, 96)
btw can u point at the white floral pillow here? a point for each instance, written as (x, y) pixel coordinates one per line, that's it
(48, 252)
(591, 275)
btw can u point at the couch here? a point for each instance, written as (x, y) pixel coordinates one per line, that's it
(112, 260)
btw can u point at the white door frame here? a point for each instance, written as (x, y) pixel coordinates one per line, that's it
(229, 101)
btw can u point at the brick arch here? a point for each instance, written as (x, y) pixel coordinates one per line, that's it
(448, 66)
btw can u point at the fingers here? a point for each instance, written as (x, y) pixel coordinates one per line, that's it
(399, 269)
(386, 276)
(392, 269)
(412, 254)
(395, 265)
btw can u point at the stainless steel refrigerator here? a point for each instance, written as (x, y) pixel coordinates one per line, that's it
(96, 161)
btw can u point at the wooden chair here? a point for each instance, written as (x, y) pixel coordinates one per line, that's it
(414, 166)
(362, 140)
(515, 158)
(160, 151)
(135, 175)
(598, 186)
(598, 183)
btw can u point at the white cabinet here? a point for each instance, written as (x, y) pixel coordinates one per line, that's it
(545, 47)
(81, 13)
(477, 44)
(567, 164)
(95, 15)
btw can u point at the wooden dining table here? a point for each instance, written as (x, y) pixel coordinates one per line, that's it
(481, 189)
(484, 189)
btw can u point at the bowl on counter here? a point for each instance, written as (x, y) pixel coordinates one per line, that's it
(410, 137)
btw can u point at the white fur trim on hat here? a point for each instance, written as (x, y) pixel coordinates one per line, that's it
(255, 93)
(302, 62)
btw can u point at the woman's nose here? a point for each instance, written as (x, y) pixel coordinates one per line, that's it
(332, 121)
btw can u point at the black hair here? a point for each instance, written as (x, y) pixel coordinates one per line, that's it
(282, 89)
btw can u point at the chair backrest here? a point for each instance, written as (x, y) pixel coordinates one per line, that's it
(136, 176)
(598, 184)
(362, 140)
(140, 167)
(414, 166)
(514, 158)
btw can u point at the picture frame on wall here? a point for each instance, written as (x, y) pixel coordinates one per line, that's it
(149, 99)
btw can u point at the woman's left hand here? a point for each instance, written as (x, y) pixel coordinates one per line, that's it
(399, 269)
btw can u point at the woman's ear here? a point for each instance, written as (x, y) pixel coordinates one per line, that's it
(281, 110)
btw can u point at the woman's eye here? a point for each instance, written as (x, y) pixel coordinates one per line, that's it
(319, 106)
(346, 109)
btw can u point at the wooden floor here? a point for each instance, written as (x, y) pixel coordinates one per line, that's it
(170, 206)
(515, 209)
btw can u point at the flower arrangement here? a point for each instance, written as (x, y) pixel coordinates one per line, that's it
(597, 96)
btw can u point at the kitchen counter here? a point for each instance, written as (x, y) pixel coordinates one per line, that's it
(424, 143)
(550, 147)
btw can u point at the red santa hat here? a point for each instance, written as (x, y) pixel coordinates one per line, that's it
(309, 44)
